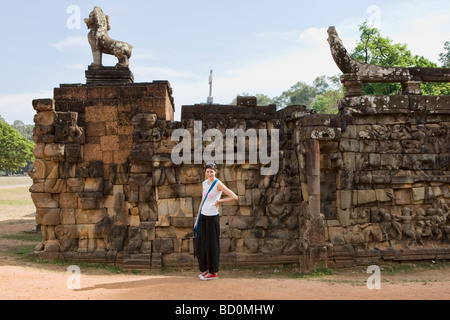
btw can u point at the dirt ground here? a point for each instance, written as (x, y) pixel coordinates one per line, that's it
(24, 279)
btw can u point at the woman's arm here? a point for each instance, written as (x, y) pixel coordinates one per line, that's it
(231, 195)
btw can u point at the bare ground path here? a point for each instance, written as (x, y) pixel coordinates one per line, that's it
(22, 279)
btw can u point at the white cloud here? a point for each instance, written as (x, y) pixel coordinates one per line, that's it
(425, 35)
(314, 36)
(19, 106)
(71, 43)
(284, 36)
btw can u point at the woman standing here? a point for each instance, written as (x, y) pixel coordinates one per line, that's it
(207, 245)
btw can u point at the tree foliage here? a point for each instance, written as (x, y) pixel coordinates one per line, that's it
(263, 100)
(444, 57)
(322, 95)
(375, 49)
(25, 129)
(15, 149)
(299, 94)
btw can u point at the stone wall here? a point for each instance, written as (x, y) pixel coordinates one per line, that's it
(393, 179)
(368, 184)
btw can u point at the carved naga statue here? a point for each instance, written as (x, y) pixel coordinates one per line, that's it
(101, 43)
(357, 73)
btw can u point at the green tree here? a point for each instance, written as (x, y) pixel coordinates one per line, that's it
(327, 102)
(330, 92)
(15, 149)
(374, 49)
(445, 56)
(25, 129)
(263, 100)
(322, 96)
(299, 94)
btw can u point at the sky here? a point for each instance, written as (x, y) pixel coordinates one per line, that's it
(252, 46)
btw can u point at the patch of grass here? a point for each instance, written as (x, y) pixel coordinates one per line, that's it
(317, 273)
(22, 236)
(21, 252)
(18, 221)
(16, 202)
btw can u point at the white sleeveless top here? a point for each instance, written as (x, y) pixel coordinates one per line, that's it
(209, 208)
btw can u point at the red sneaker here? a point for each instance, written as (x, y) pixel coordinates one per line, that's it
(204, 274)
(210, 276)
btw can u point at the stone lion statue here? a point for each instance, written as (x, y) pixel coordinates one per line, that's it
(101, 43)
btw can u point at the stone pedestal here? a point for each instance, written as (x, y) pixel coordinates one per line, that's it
(108, 75)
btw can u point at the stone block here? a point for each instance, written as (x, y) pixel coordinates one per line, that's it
(163, 220)
(384, 195)
(182, 222)
(44, 105)
(44, 134)
(344, 216)
(345, 197)
(403, 196)
(349, 145)
(66, 232)
(86, 231)
(68, 201)
(38, 150)
(75, 184)
(90, 200)
(193, 190)
(374, 159)
(418, 194)
(89, 216)
(45, 118)
(186, 207)
(93, 152)
(366, 196)
(74, 153)
(243, 210)
(243, 101)
(391, 161)
(51, 246)
(54, 152)
(335, 236)
(49, 217)
(44, 200)
(163, 245)
(68, 216)
(93, 185)
(163, 207)
(381, 177)
(109, 143)
(71, 134)
(55, 186)
(111, 128)
(95, 129)
(403, 177)
(134, 221)
(101, 113)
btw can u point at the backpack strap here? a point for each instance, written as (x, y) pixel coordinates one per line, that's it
(204, 200)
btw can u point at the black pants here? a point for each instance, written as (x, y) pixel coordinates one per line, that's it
(207, 244)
